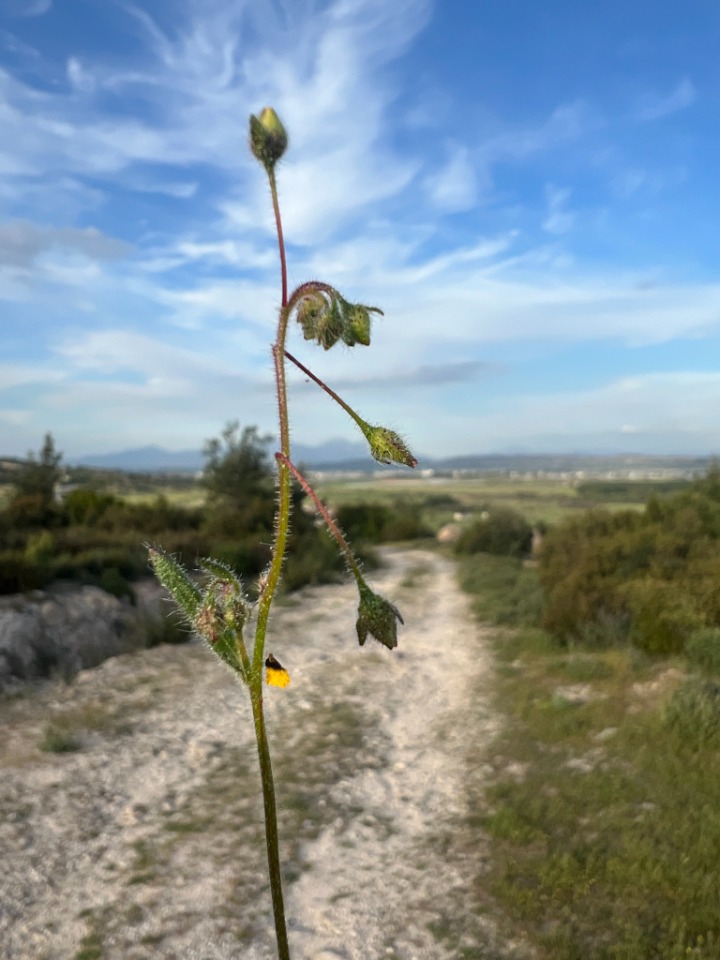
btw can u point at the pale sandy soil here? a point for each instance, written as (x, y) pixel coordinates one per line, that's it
(147, 841)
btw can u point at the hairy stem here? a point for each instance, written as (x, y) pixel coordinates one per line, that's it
(330, 392)
(325, 514)
(271, 827)
(282, 522)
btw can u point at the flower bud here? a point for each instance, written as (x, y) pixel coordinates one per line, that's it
(378, 617)
(329, 326)
(357, 325)
(386, 446)
(309, 311)
(268, 138)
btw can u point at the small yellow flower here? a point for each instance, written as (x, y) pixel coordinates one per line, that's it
(276, 674)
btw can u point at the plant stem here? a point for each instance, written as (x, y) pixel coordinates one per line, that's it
(271, 828)
(325, 514)
(267, 595)
(349, 410)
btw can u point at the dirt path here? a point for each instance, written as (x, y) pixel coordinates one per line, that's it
(146, 841)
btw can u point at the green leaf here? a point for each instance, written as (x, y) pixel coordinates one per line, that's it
(177, 582)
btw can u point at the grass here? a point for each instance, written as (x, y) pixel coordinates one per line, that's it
(607, 845)
(65, 733)
(505, 591)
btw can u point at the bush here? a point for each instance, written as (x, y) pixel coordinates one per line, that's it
(31, 510)
(406, 523)
(663, 615)
(18, 574)
(658, 571)
(39, 547)
(375, 523)
(363, 521)
(694, 713)
(89, 566)
(501, 531)
(703, 649)
(86, 506)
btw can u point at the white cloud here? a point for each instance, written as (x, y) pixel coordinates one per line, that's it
(653, 106)
(454, 186)
(649, 402)
(593, 420)
(558, 219)
(23, 242)
(28, 8)
(79, 78)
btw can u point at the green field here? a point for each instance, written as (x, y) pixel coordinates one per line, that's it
(540, 501)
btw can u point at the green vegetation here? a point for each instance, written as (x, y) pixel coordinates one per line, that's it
(540, 501)
(654, 576)
(500, 531)
(96, 536)
(628, 491)
(505, 591)
(603, 811)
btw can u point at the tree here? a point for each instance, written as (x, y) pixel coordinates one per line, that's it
(41, 473)
(237, 468)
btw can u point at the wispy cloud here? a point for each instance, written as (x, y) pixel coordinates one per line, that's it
(23, 242)
(652, 106)
(454, 186)
(559, 219)
(28, 8)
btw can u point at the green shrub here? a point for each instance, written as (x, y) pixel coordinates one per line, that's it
(703, 649)
(39, 547)
(18, 574)
(406, 523)
(86, 506)
(31, 510)
(694, 713)
(500, 531)
(663, 615)
(88, 566)
(363, 521)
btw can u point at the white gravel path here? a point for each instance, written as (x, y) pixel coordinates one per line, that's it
(131, 847)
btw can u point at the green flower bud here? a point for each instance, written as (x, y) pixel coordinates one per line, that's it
(329, 326)
(309, 312)
(213, 625)
(227, 590)
(378, 617)
(357, 325)
(268, 138)
(386, 446)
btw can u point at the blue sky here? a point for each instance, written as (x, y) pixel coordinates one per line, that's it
(530, 192)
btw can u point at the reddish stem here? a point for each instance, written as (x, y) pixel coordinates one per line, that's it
(325, 514)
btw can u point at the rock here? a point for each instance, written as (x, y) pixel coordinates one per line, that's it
(65, 629)
(450, 533)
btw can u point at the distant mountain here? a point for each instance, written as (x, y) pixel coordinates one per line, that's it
(330, 453)
(141, 459)
(345, 455)
(153, 458)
